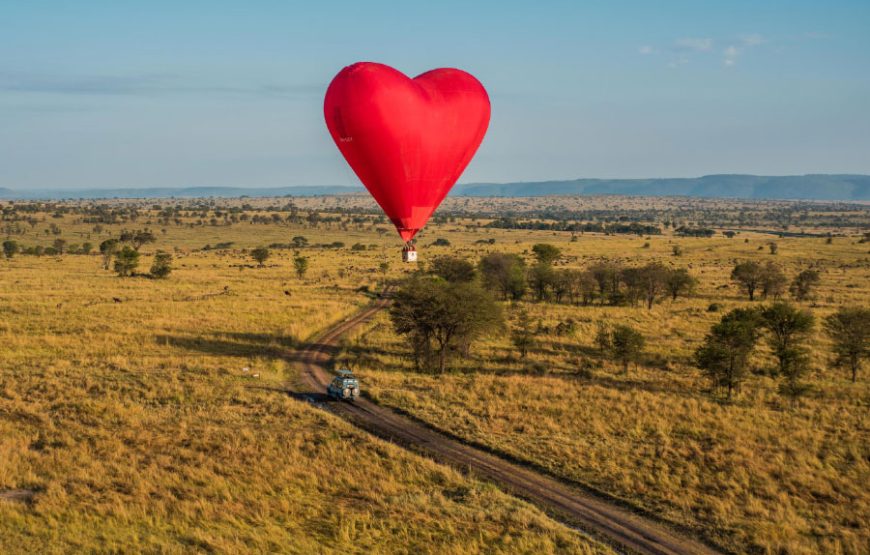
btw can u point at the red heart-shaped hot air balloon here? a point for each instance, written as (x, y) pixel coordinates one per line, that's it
(408, 140)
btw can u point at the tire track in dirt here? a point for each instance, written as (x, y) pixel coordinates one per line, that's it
(605, 520)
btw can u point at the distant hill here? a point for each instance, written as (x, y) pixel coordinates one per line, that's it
(808, 187)
(177, 192)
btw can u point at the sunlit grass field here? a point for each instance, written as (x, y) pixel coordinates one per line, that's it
(757, 474)
(150, 415)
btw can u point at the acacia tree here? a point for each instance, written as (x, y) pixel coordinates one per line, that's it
(300, 264)
(504, 273)
(442, 317)
(10, 248)
(680, 282)
(108, 248)
(626, 345)
(608, 276)
(802, 286)
(126, 261)
(647, 282)
(773, 281)
(546, 253)
(849, 328)
(161, 267)
(724, 355)
(788, 330)
(260, 255)
(452, 268)
(523, 336)
(541, 278)
(748, 275)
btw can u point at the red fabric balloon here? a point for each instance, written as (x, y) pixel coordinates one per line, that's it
(408, 140)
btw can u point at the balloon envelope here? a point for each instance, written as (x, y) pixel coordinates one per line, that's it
(408, 140)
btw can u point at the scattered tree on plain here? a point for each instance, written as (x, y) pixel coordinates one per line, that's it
(522, 335)
(10, 248)
(541, 278)
(452, 268)
(849, 329)
(126, 261)
(647, 283)
(773, 281)
(804, 283)
(749, 276)
(724, 355)
(546, 253)
(441, 318)
(108, 248)
(680, 282)
(260, 255)
(504, 273)
(161, 267)
(300, 264)
(625, 344)
(788, 331)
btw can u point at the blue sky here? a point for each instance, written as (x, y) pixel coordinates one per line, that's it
(159, 93)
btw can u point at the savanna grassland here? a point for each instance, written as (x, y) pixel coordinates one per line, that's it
(150, 414)
(761, 473)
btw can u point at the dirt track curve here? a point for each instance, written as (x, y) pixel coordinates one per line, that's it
(607, 521)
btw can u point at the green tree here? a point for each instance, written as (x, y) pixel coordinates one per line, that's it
(546, 253)
(522, 335)
(680, 282)
(773, 281)
(108, 248)
(59, 245)
(608, 276)
(161, 267)
(802, 286)
(299, 242)
(10, 248)
(300, 264)
(749, 276)
(541, 279)
(788, 330)
(724, 355)
(626, 345)
(849, 329)
(441, 318)
(260, 255)
(648, 282)
(126, 261)
(504, 273)
(452, 269)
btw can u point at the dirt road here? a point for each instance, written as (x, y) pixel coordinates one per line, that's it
(611, 523)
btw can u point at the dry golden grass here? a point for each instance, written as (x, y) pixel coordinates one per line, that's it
(756, 475)
(139, 429)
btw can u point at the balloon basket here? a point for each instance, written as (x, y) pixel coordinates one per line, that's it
(409, 253)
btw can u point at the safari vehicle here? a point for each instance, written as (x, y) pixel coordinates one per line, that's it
(344, 386)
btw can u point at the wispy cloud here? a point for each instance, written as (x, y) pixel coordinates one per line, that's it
(731, 52)
(694, 44)
(730, 55)
(683, 50)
